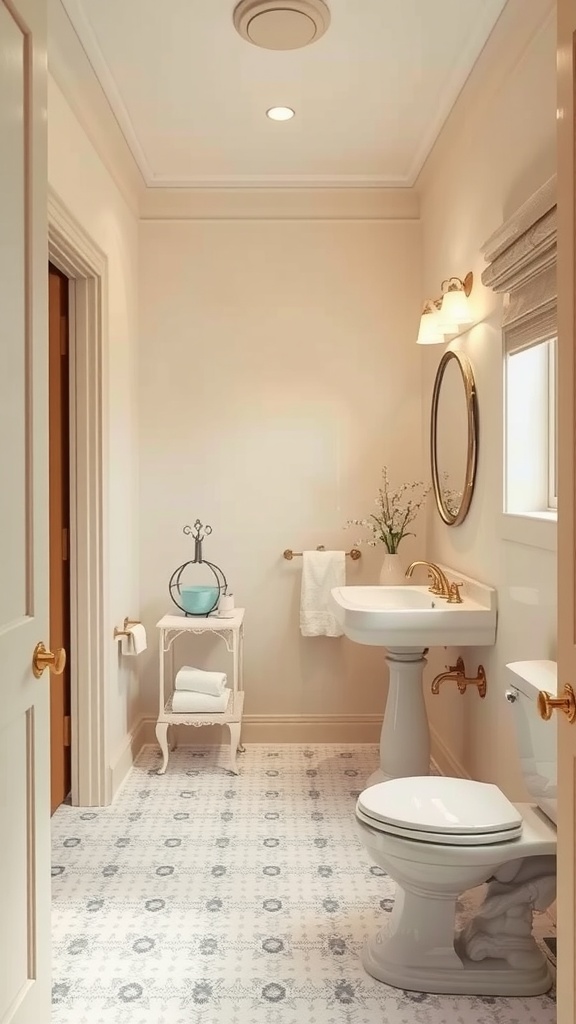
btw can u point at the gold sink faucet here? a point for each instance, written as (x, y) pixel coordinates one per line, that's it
(440, 584)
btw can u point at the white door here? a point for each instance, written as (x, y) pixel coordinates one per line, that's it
(24, 706)
(566, 512)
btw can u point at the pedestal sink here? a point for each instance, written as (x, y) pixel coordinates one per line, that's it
(407, 620)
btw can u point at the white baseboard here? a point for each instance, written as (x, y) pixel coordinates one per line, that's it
(255, 729)
(283, 729)
(275, 729)
(127, 754)
(444, 759)
(311, 728)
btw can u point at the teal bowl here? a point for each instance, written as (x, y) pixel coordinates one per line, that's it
(199, 600)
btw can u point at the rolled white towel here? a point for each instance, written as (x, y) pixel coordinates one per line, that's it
(185, 702)
(200, 681)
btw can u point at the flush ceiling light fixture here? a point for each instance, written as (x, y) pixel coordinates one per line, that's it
(281, 24)
(455, 307)
(280, 113)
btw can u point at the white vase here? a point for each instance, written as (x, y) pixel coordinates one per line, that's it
(393, 571)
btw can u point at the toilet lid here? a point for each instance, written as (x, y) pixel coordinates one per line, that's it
(441, 838)
(438, 808)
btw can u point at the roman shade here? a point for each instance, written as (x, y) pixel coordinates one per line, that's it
(521, 257)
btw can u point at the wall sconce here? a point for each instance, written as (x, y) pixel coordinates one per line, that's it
(430, 333)
(455, 308)
(432, 328)
(446, 315)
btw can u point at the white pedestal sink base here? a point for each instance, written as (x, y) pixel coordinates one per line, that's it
(405, 736)
(407, 620)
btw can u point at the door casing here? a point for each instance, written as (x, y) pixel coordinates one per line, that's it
(74, 253)
(566, 266)
(59, 503)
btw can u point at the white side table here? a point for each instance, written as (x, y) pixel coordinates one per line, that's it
(232, 632)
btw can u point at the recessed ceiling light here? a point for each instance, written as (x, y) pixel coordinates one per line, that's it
(280, 113)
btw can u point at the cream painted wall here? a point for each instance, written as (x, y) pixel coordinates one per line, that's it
(496, 149)
(278, 373)
(84, 185)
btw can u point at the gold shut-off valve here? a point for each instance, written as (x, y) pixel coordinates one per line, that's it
(42, 659)
(457, 674)
(567, 704)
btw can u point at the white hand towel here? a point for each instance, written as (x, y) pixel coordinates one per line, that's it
(185, 702)
(135, 641)
(321, 571)
(200, 681)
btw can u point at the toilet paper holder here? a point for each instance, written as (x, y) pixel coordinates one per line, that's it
(125, 631)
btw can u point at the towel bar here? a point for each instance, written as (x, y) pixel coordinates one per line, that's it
(354, 554)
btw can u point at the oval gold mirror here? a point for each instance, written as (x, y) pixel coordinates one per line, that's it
(454, 437)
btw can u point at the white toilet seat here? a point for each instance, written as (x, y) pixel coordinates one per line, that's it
(440, 811)
(439, 838)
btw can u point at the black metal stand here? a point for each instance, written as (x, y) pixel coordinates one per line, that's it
(175, 580)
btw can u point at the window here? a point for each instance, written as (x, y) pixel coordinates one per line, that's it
(521, 257)
(531, 417)
(553, 425)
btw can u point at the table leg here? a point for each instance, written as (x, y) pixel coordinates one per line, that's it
(235, 658)
(172, 737)
(162, 737)
(234, 743)
(241, 749)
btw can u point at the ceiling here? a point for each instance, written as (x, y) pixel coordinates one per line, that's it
(370, 96)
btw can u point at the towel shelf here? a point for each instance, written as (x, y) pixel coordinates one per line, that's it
(354, 554)
(231, 631)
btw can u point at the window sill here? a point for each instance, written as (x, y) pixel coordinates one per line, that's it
(536, 529)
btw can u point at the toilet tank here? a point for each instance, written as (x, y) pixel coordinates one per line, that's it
(535, 738)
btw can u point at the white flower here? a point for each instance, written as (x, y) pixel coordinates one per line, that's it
(395, 511)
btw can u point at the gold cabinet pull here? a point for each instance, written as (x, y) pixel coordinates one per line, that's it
(547, 703)
(54, 660)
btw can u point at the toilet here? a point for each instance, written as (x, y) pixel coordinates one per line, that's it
(438, 837)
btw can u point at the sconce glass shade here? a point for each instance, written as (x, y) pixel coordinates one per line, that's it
(455, 308)
(430, 332)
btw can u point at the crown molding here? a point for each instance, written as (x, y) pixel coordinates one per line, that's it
(93, 54)
(461, 70)
(516, 30)
(75, 76)
(87, 42)
(283, 181)
(384, 204)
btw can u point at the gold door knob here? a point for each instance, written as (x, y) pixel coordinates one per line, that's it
(547, 703)
(54, 660)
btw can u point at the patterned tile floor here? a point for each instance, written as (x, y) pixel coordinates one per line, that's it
(201, 897)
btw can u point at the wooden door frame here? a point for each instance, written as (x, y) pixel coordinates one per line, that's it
(566, 77)
(73, 252)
